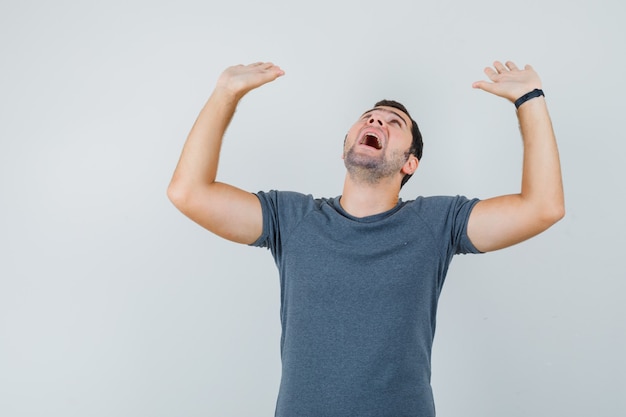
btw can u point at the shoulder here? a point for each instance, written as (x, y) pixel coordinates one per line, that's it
(443, 211)
(447, 218)
(441, 204)
(282, 212)
(289, 196)
(286, 202)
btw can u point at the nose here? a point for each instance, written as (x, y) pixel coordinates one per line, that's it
(374, 120)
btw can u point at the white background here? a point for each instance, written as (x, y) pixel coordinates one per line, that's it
(114, 304)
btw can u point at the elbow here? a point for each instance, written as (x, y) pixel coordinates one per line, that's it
(558, 209)
(177, 195)
(553, 214)
(560, 213)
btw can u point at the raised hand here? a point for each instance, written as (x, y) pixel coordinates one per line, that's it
(508, 81)
(502, 221)
(240, 79)
(221, 208)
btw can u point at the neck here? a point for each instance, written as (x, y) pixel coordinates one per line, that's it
(362, 199)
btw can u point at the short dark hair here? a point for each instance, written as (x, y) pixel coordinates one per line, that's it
(417, 145)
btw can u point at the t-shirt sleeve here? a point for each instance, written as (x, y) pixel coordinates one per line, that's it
(447, 218)
(282, 211)
(460, 214)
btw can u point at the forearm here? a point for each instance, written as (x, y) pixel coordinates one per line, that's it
(503, 221)
(199, 159)
(225, 210)
(542, 187)
(197, 167)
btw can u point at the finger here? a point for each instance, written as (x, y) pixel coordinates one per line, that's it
(483, 85)
(478, 84)
(278, 70)
(499, 67)
(510, 65)
(490, 73)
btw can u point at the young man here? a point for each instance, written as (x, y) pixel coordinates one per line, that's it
(361, 274)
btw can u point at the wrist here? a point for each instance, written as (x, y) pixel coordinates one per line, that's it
(227, 95)
(537, 92)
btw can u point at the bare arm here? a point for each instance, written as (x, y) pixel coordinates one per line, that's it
(225, 210)
(503, 221)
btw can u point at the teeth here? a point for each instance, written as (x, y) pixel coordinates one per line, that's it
(367, 140)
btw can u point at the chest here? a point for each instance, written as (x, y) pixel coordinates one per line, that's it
(360, 269)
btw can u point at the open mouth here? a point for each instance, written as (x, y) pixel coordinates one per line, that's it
(372, 140)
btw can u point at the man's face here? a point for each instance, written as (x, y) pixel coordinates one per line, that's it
(377, 145)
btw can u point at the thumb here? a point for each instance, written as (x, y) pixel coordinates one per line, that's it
(482, 85)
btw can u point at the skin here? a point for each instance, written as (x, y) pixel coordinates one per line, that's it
(373, 177)
(370, 165)
(506, 220)
(362, 197)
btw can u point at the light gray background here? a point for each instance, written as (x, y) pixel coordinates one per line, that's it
(114, 304)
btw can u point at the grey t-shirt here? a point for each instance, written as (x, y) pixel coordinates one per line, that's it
(358, 301)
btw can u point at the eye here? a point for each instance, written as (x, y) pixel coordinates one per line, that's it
(396, 122)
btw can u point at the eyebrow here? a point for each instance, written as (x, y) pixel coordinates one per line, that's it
(385, 110)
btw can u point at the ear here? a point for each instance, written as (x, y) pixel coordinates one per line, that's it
(410, 166)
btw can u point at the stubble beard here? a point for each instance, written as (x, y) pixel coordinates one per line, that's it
(372, 169)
